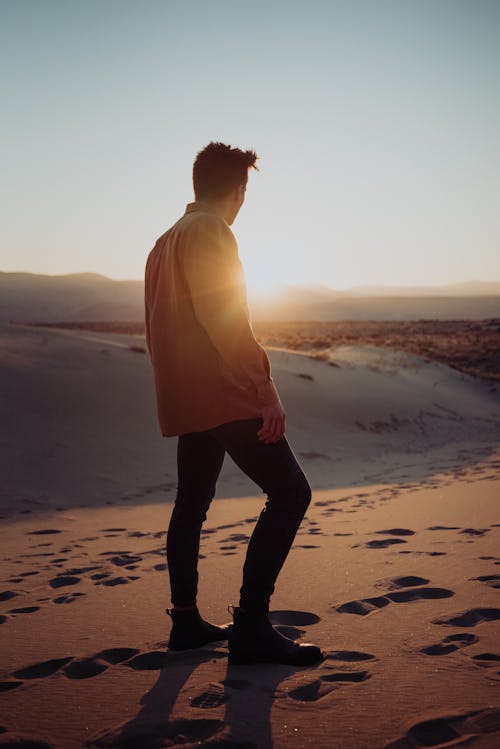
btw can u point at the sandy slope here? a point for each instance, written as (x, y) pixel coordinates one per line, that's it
(394, 571)
(79, 421)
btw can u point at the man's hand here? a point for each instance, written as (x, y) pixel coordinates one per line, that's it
(273, 426)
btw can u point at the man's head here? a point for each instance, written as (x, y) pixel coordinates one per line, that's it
(220, 175)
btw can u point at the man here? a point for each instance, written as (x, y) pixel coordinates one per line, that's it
(215, 392)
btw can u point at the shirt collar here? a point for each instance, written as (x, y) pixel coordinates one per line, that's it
(200, 205)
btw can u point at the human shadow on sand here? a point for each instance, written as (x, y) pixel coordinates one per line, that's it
(155, 724)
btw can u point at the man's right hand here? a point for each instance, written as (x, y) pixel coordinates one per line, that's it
(273, 426)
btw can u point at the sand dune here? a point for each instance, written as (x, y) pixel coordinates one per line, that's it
(394, 571)
(80, 423)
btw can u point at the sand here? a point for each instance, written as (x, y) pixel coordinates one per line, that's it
(394, 571)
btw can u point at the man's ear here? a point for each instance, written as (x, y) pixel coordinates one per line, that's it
(237, 193)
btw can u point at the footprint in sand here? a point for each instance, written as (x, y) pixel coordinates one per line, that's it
(326, 683)
(68, 597)
(404, 581)
(397, 532)
(347, 676)
(450, 644)
(100, 576)
(124, 560)
(73, 668)
(7, 686)
(425, 553)
(470, 618)
(382, 543)
(288, 622)
(43, 532)
(81, 570)
(115, 581)
(492, 580)
(116, 655)
(62, 580)
(366, 606)
(113, 530)
(349, 656)
(441, 732)
(495, 560)
(85, 668)
(43, 669)
(235, 537)
(149, 661)
(25, 610)
(443, 528)
(215, 695)
(486, 660)
(293, 618)
(311, 692)
(474, 531)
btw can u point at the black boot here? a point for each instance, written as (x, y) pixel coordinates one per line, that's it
(189, 630)
(253, 639)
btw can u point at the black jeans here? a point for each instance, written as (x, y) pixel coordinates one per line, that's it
(274, 468)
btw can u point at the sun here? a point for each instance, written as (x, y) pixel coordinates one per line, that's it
(261, 283)
(263, 275)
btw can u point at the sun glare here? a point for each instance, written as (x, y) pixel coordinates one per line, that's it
(259, 281)
(263, 271)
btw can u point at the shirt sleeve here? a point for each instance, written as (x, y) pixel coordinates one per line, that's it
(146, 309)
(215, 278)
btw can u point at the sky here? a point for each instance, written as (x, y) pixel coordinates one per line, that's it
(376, 123)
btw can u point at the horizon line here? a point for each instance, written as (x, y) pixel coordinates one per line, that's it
(308, 284)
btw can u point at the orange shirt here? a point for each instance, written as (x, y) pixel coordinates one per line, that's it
(208, 367)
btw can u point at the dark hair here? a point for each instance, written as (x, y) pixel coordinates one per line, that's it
(218, 169)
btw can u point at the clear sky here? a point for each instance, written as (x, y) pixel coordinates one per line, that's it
(377, 126)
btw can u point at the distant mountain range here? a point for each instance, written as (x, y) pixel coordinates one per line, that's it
(465, 288)
(32, 297)
(79, 296)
